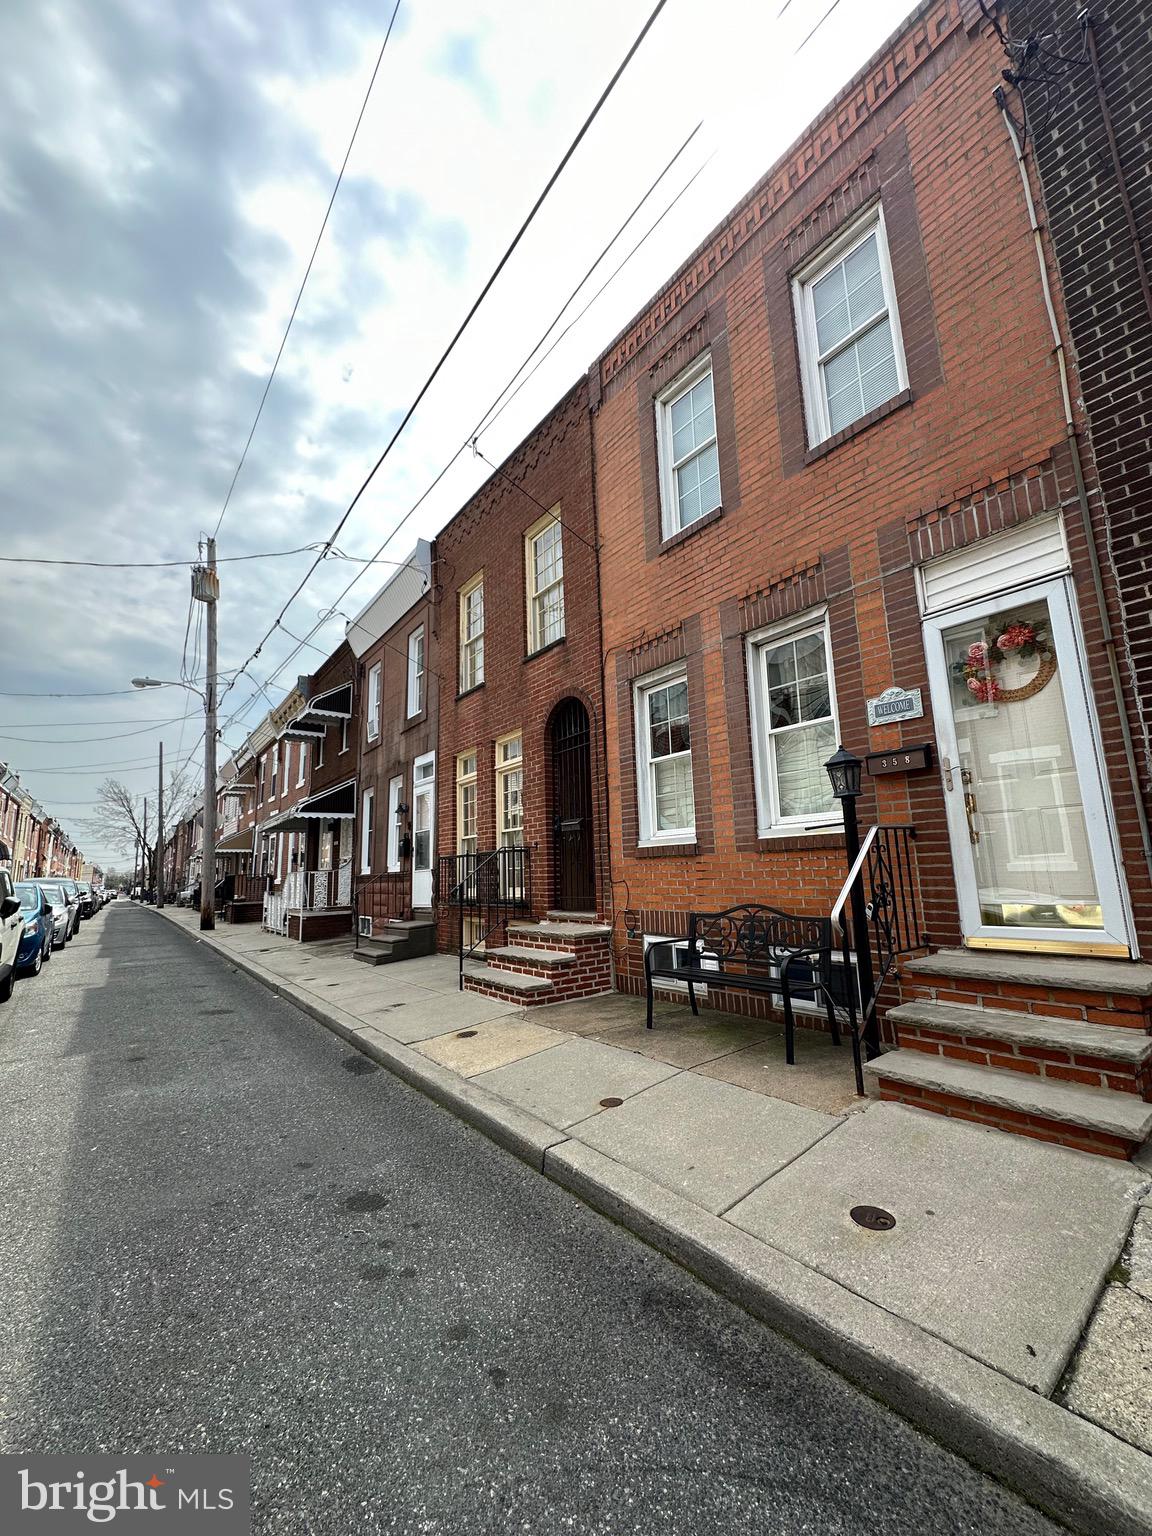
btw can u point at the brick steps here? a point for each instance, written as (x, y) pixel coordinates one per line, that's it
(555, 961)
(1068, 1050)
(1051, 1046)
(1089, 1119)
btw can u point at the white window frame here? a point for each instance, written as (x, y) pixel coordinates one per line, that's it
(670, 523)
(467, 779)
(471, 649)
(803, 281)
(416, 672)
(343, 736)
(372, 714)
(708, 962)
(505, 766)
(275, 771)
(302, 763)
(395, 793)
(367, 829)
(320, 740)
(645, 793)
(769, 821)
(536, 640)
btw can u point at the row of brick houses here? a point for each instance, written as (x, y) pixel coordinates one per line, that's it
(870, 469)
(32, 842)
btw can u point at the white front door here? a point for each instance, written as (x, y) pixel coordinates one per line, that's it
(423, 826)
(1028, 813)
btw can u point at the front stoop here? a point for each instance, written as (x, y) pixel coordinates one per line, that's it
(397, 941)
(1039, 1045)
(548, 962)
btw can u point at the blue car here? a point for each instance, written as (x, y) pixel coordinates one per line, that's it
(36, 945)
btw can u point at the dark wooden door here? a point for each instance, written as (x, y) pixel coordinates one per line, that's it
(574, 884)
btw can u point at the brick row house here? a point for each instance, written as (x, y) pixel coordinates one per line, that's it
(32, 842)
(395, 643)
(839, 482)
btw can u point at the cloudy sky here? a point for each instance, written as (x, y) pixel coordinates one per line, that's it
(164, 169)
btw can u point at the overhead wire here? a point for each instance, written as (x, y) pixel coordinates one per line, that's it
(450, 348)
(308, 269)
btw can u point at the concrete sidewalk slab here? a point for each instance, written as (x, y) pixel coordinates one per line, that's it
(975, 1257)
(1111, 1383)
(689, 1043)
(490, 1045)
(708, 1141)
(567, 1084)
(432, 1013)
(821, 1077)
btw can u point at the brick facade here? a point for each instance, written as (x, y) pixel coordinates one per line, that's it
(975, 444)
(1108, 307)
(551, 472)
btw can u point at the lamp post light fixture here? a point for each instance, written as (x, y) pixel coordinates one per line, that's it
(844, 771)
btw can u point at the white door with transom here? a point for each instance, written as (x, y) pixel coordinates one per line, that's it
(1029, 817)
(423, 826)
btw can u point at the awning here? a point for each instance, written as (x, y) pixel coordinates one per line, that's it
(319, 713)
(335, 804)
(236, 842)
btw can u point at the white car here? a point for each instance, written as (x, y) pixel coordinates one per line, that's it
(11, 933)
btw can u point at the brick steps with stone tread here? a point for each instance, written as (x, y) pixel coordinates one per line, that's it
(1045, 972)
(1121, 1115)
(1075, 1036)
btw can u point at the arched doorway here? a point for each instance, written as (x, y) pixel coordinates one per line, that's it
(573, 863)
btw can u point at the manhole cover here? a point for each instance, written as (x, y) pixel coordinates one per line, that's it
(611, 1103)
(466, 1034)
(874, 1217)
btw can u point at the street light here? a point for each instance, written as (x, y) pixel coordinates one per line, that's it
(208, 858)
(844, 771)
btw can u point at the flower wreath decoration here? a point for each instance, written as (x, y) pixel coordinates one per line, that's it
(1012, 637)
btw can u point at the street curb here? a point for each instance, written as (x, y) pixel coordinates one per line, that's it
(1077, 1473)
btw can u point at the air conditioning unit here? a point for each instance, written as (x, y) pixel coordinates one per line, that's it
(365, 927)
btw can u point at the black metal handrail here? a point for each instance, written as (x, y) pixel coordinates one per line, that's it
(488, 888)
(884, 874)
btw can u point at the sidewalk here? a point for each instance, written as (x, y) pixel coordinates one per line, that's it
(964, 1316)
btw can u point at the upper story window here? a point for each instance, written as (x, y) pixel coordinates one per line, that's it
(287, 768)
(689, 457)
(301, 763)
(275, 770)
(260, 783)
(320, 748)
(794, 724)
(373, 715)
(851, 354)
(344, 735)
(472, 634)
(544, 557)
(664, 760)
(416, 671)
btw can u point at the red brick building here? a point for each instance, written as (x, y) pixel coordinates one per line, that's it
(399, 690)
(522, 811)
(833, 460)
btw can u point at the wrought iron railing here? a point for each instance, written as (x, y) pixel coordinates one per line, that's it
(384, 898)
(486, 889)
(877, 919)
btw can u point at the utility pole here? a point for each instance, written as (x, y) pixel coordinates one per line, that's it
(206, 589)
(160, 833)
(144, 854)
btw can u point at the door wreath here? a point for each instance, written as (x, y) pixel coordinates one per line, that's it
(1012, 637)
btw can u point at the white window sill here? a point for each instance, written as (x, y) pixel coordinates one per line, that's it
(800, 829)
(669, 839)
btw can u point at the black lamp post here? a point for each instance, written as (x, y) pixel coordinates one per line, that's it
(844, 770)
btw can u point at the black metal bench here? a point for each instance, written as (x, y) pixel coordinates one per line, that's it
(754, 949)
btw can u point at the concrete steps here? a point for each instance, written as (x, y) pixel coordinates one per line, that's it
(1051, 1046)
(399, 941)
(553, 961)
(1089, 1119)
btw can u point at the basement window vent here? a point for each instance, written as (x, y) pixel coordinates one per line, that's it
(365, 927)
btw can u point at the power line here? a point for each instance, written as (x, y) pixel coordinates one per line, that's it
(81, 741)
(308, 269)
(111, 693)
(444, 356)
(128, 764)
(818, 25)
(156, 565)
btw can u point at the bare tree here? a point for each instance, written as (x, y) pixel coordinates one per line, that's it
(119, 820)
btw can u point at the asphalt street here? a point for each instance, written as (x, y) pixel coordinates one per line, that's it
(220, 1230)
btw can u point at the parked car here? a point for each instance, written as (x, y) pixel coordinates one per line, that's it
(73, 890)
(39, 929)
(11, 934)
(64, 911)
(87, 900)
(189, 896)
